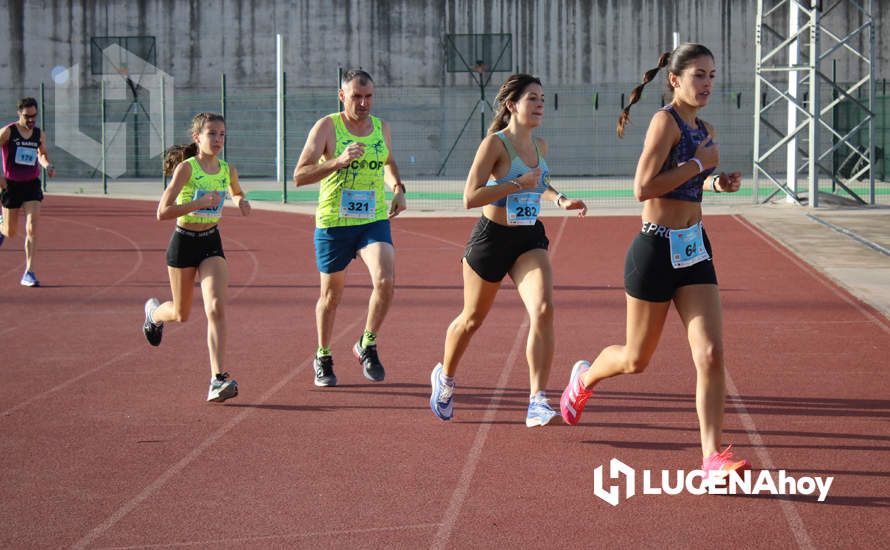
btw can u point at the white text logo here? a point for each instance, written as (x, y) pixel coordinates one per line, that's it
(699, 482)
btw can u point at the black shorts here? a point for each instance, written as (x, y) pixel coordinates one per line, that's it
(20, 192)
(190, 248)
(649, 275)
(493, 248)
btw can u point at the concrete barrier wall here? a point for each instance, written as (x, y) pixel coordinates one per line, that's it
(579, 49)
(401, 42)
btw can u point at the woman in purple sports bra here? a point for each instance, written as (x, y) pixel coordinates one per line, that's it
(670, 260)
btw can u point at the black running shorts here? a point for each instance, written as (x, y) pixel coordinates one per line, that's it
(493, 248)
(649, 275)
(190, 248)
(19, 192)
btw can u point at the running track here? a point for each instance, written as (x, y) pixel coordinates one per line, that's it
(107, 443)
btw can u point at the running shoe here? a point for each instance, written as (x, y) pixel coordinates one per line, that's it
(221, 388)
(367, 356)
(29, 279)
(539, 413)
(724, 463)
(442, 392)
(575, 396)
(153, 331)
(324, 371)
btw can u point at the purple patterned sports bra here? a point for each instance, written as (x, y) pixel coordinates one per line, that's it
(690, 139)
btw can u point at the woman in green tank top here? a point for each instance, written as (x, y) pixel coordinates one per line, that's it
(195, 198)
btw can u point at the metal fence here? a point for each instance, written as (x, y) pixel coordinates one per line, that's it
(435, 134)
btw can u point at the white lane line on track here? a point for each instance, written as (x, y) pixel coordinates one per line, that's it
(795, 522)
(208, 442)
(137, 265)
(125, 354)
(881, 322)
(464, 483)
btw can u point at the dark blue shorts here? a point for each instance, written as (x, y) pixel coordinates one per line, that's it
(335, 247)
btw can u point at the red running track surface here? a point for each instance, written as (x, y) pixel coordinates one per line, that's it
(107, 442)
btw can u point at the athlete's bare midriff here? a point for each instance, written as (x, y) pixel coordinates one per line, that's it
(672, 213)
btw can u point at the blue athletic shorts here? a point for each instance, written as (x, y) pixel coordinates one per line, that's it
(335, 247)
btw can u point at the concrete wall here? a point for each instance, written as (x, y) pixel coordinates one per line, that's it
(579, 48)
(401, 42)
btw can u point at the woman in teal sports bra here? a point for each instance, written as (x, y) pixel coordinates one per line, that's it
(195, 198)
(508, 178)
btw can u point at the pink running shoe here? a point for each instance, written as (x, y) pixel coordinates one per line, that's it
(571, 404)
(723, 461)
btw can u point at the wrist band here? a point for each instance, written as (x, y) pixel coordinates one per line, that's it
(701, 167)
(559, 197)
(714, 179)
(516, 183)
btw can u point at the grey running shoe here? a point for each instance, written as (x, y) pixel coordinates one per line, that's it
(221, 388)
(153, 331)
(324, 371)
(367, 356)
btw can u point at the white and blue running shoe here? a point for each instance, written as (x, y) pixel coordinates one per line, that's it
(539, 412)
(221, 388)
(29, 279)
(440, 398)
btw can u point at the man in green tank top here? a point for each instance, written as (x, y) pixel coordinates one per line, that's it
(349, 152)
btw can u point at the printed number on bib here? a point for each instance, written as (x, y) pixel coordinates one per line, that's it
(26, 156)
(688, 247)
(523, 208)
(358, 204)
(210, 212)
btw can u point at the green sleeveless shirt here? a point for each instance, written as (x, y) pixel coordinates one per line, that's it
(200, 183)
(363, 174)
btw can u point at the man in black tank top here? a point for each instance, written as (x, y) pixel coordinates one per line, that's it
(23, 148)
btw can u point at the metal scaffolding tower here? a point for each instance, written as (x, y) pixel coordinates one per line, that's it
(795, 40)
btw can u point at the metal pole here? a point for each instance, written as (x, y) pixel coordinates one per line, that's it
(284, 133)
(102, 134)
(222, 106)
(836, 159)
(793, 82)
(163, 130)
(482, 109)
(815, 102)
(43, 126)
(871, 104)
(339, 85)
(279, 110)
(758, 103)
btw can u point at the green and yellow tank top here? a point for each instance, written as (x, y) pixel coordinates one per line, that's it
(354, 195)
(199, 184)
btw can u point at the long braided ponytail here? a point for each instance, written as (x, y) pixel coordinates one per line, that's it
(675, 61)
